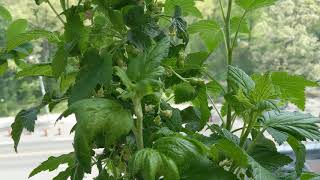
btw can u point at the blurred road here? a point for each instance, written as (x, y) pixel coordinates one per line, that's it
(17, 166)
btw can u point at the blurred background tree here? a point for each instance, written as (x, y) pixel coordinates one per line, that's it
(287, 37)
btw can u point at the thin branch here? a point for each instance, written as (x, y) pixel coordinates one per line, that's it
(238, 28)
(175, 73)
(222, 11)
(215, 108)
(212, 78)
(55, 11)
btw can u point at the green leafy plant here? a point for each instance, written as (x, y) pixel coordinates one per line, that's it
(122, 64)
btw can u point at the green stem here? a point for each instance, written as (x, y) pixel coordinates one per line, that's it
(139, 122)
(246, 133)
(216, 109)
(238, 28)
(229, 59)
(55, 11)
(222, 11)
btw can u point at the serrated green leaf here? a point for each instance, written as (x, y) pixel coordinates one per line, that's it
(309, 176)
(15, 28)
(94, 69)
(300, 154)
(299, 125)
(292, 87)
(239, 102)
(36, 70)
(153, 164)
(5, 14)
(236, 23)
(184, 92)
(214, 88)
(195, 61)
(24, 119)
(259, 172)
(64, 175)
(279, 137)
(265, 153)
(75, 32)
(59, 61)
(201, 102)
(180, 150)
(179, 26)
(148, 65)
(187, 7)
(209, 31)
(25, 37)
(242, 159)
(239, 79)
(53, 163)
(173, 122)
(97, 117)
(264, 88)
(205, 169)
(233, 151)
(254, 4)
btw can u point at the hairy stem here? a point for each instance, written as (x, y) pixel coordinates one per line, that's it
(55, 11)
(229, 59)
(139, 122)
(252, 120)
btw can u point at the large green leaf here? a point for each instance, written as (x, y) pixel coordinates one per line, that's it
(301, 126)
(187, 7)
(101, 118)
(265, 153)
(15, 28)
(53, 163)
(237, 22)
(24, 119)
(94, 69)
(300, 154)
(75, 32)
(25, 37)
(153, 164)
(205, 170)
(148, 65)
(209, 31)
(64, 175)
(239, 79)
(5, 14)
(145, 69)
(36, 70)
(180, 150)
(259, 172)
(201, 102)
(242, 159)
(59, 61)
(254, 4)
(179, 26)
(292, 87)
(233, 151)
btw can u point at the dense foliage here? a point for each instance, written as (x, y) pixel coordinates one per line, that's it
(120, 63)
